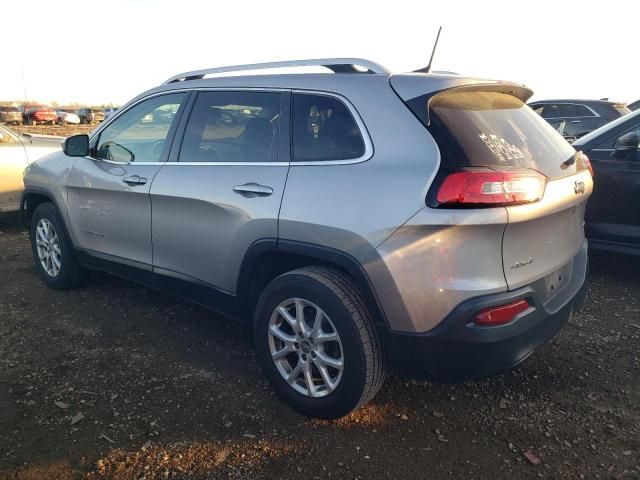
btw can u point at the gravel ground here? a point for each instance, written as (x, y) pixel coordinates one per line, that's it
(116, 381)
(58, 130)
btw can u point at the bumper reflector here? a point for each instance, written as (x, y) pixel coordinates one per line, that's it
(500, 315)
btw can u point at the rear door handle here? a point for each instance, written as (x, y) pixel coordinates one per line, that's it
(135, 180)
(252, 189)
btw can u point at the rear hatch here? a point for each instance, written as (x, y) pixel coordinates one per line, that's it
(497, 153)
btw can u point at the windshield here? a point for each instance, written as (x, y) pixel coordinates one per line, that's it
(475, 128)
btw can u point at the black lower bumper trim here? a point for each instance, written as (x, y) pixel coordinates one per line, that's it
(458, 350)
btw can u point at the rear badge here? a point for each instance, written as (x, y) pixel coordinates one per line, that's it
(578, 187)
(523, 263)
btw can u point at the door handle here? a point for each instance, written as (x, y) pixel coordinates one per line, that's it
(135, 180)
(252, 189)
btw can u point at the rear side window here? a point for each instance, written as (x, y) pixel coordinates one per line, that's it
(551, 110)
(324, 129)
(582, 111)
(475, 128)
(232, 127)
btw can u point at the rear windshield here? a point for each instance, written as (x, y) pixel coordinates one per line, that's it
(9, 109)
(476, 128)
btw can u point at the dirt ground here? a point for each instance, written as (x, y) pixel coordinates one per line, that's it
(58, 130)
(116, 381)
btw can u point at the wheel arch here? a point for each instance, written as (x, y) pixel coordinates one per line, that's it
(31, 198)
(266, 259)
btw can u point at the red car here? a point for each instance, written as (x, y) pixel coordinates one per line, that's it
(34, 114)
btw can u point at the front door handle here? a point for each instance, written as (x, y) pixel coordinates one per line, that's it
(252, 189)
(135, 180)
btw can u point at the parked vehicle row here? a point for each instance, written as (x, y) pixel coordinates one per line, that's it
(41, 114)
(453, 249)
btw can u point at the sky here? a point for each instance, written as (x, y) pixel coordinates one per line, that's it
(108, 51)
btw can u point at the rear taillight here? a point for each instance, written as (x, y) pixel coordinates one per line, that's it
(491, 187)
(494, 316)
(586, 163)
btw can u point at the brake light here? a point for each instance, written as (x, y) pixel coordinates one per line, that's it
(494, 316)
(586, 163)
(491, 187)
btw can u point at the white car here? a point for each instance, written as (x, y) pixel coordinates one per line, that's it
(16, 152)
(67, 116)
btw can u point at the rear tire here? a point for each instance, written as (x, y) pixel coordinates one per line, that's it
(334, 392)
(52, 250)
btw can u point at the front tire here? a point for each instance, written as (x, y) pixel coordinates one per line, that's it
(317, 344)
(53, 251)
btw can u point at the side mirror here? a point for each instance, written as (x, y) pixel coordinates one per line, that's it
(627, 145)
(76, 146)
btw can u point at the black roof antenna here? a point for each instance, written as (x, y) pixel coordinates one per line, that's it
(427, 69)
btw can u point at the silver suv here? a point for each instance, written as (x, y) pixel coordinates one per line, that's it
(356, 219)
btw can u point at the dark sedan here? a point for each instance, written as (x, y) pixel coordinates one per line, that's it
(613, 211)
(574, 118)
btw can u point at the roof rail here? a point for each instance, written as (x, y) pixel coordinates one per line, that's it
(337, 65)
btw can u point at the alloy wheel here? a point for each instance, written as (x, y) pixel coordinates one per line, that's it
(306, 347)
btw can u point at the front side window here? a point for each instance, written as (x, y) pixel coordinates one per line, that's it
(551, 110)
(610, 144)
(324, 129)
(140, 134)
(232, 127)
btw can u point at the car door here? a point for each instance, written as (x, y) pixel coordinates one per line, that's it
(108, 192)
(612, 212)
(13, 161)
(221, 190)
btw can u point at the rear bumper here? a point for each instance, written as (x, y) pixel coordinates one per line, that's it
(458, 350)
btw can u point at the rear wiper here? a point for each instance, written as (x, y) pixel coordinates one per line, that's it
(568, 163)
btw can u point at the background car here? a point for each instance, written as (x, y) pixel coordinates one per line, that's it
(574, 118)
(109, 111)
(16, 152)
(35, 114)
(67, 115)
(10, 115)
(634, 106)
(90, 115)
(613, 211)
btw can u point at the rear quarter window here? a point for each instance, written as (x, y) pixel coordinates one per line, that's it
(324, 129)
